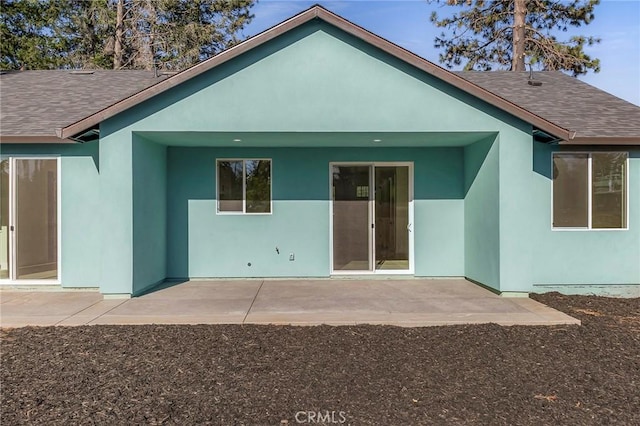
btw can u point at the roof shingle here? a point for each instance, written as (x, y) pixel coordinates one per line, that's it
(564, 101)
(35, 103)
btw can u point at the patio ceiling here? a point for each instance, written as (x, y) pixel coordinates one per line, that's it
(316, 139)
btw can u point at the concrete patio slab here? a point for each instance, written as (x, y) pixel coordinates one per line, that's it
(193, 302)
(403, 302)
(92, 312)
(20, 308)
(395, 302)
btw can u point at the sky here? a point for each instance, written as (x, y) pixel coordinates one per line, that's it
(406, 23)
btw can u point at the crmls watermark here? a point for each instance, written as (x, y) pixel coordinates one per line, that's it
(321, 417)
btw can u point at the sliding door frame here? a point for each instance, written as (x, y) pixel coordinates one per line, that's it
(12, 280)
(371, 212)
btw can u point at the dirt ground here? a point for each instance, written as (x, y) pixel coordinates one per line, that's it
(274, 375)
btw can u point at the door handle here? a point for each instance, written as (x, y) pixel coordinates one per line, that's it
(409, 227)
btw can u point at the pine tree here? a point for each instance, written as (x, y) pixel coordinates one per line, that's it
(138, 34)
(27, 36)
(180, 33)
(508, 33)
(87, 26)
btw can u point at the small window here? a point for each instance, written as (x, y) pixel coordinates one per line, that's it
(244, 186)
(590, 190)
(362, 191)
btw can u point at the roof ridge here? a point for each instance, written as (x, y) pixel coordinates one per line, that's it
(318, 12)
(558, 108)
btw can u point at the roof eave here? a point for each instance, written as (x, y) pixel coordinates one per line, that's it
(443, 74)
(604, 141)
(98, 117)
(22, 139)
(344, 25)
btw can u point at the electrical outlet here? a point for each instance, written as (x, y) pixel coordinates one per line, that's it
(292, 256)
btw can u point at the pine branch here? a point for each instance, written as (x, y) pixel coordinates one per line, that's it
(481, 34)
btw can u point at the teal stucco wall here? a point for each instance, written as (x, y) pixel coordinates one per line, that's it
(482, 212)
(596, 261)
(116, 194)
(516, 207)
(149, 213)
(133, 213)
(202, 243)
(315, 80)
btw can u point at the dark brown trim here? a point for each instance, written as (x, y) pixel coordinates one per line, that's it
(343, 24)
(187, 74)
(443, 74)
(33, 139)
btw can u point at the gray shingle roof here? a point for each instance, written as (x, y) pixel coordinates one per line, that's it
(564, 101)
(35, 103)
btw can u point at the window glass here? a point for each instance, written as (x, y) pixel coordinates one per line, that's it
(608, 196)
(230, 186)
(570, 190)
(244, 186)
(258, 186)
(36, 224)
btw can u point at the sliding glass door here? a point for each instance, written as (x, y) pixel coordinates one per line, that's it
(392, 226)
(371, 218)
(351, 218)
(29, 219)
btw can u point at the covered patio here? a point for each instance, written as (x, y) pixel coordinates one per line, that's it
(383, 301)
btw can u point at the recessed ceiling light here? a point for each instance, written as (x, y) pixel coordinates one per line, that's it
(237, 140)
(377, 140)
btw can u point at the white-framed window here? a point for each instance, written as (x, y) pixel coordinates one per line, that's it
(243, 186)
(590, 190)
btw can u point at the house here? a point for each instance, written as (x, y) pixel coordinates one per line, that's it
(318, 149)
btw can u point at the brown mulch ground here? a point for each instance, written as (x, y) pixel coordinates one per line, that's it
(262, 375)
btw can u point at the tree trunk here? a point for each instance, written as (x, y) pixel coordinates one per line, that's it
(149, 39)
(117, 48)
(519, 15)
(152, 44)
